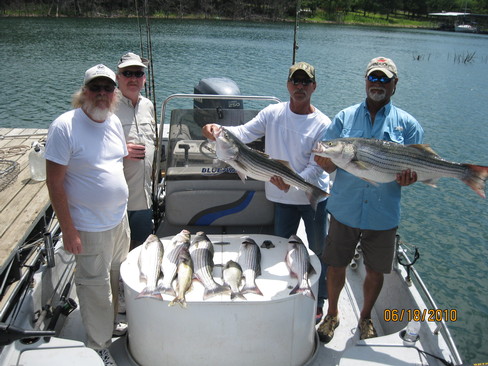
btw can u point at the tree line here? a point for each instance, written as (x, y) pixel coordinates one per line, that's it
(238, 9)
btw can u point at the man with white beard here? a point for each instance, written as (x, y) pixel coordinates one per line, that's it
(85, 148)
(361, 211)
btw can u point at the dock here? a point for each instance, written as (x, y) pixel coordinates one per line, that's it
(24, 201)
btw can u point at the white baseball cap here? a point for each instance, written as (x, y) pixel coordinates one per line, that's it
(98, 71)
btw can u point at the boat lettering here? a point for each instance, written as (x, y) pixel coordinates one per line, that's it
(217, 171)
(430, 315)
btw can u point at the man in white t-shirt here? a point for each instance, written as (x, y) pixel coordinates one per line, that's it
(292, 129)
(84, 164)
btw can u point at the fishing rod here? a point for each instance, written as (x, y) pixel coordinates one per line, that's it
(295, 33)
(151, 94)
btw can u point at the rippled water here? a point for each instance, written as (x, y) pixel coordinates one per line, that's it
(44, 61)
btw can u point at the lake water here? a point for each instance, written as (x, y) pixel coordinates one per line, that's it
(44, 61)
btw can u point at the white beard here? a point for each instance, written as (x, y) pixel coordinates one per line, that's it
(377, 96)
(96, 113)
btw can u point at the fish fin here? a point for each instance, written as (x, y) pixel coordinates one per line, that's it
(219, 290)
(362, 165)
(370, 181)
(475, 178)
(242, 176)
(315, 197)
(238, 295)
(166, 290)
(181, 302)
(284, 162)
(311, 270)
(425, 148)
(305, 291)
(148, 292)
(252, 289)
(431, 182)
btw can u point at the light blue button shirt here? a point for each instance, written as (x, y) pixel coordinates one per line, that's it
(353, 201)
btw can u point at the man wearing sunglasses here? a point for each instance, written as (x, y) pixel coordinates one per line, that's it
(137, 116)
(84, 164)
(361, 210)
(291, 129)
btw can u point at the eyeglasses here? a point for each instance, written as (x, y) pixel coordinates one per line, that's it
(96, 88)
(304, 82)
(381, 79)
(129, 74)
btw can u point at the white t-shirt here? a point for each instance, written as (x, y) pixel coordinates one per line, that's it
(94, 182)
(289, 137)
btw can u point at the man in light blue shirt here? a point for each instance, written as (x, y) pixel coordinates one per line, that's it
(360, 210)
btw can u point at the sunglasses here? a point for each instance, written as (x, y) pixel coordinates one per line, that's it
(381, 79)
(96, 88)
(304, 82)
(129, 74)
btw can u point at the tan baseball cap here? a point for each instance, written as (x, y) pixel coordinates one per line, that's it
(383, 64)
(309, 69)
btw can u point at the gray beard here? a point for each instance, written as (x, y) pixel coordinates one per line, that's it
(377, 97)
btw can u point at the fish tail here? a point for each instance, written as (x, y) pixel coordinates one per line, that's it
(315, 197)
(179, 301)
(166, 290)
(304, 290)
(251, 289)
(150, 292)
(238, 295)
(476, 177)
(219, 290)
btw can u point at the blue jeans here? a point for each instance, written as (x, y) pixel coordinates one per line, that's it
(286, 222)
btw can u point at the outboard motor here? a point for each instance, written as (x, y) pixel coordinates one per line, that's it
(219, 86)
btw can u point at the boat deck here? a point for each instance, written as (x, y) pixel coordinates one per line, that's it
(24, 201)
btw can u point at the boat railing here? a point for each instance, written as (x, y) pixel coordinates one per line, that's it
(440, 325)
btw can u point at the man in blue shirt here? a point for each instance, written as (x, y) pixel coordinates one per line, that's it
(360, 210)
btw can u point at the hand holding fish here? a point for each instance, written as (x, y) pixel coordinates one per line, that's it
(280, 183)
(406, 177)
(211, 130)
(325, 163)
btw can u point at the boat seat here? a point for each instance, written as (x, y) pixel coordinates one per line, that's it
(200, 191)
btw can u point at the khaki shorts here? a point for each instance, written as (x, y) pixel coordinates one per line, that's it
(378, 246)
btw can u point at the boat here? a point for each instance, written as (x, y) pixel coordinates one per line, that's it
(41, 323)
(466, 28)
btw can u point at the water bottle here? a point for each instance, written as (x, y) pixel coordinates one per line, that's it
(411, 333)
(37, 162)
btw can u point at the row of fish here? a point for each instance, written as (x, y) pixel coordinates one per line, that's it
(171, 268)
(375, 161)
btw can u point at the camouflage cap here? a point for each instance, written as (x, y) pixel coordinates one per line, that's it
(384, 65)
(309, 69)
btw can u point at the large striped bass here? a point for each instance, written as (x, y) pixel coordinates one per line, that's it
(149, 263)
(171, 258)
(380, 161)
(257, 165)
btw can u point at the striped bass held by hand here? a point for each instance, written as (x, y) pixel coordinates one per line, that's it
(257, 165)
(298, 262)
(379, 161)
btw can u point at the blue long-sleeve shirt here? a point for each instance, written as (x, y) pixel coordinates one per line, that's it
(353, 201)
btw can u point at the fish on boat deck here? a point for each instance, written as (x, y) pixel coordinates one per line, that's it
(298, 262)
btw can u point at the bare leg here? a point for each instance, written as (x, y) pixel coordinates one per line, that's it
(336, 277)
(371, 288)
